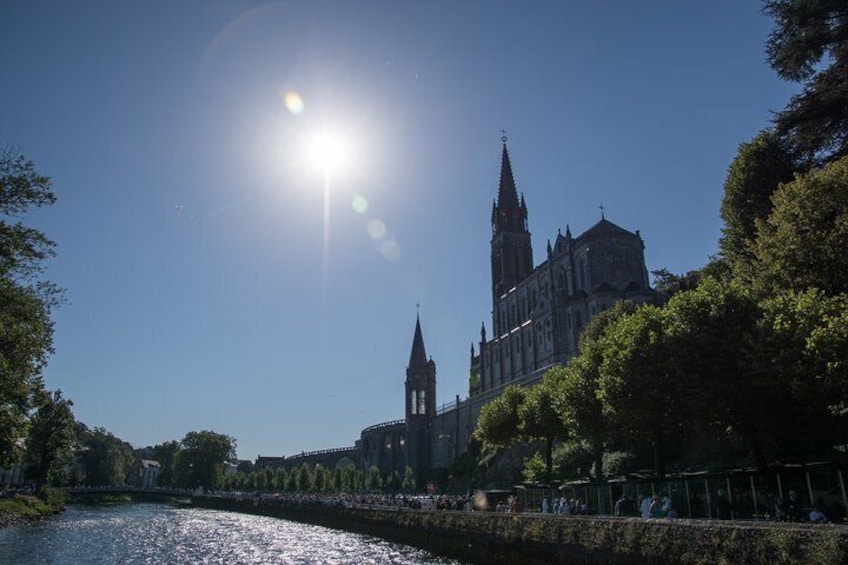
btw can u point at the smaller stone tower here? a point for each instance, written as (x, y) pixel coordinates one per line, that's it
(420, 404)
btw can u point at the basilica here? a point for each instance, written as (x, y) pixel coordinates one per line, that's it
(538, 313)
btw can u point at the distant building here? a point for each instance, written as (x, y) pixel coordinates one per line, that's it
(538, 314)
(148, 472)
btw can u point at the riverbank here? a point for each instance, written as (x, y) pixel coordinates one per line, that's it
(488, 537)
(24, 508)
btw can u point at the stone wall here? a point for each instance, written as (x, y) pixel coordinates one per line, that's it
(527, 539)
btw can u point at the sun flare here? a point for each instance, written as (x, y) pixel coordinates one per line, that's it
(329, 152)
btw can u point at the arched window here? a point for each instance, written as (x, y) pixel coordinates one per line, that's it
(581, 272)
(413, 402)
(422, 402)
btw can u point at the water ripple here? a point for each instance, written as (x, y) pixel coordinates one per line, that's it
(157, 534)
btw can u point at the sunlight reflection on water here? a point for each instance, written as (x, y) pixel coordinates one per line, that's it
(157, 534)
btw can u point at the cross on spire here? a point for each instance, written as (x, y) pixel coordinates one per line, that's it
(503, 135)
(602, 207)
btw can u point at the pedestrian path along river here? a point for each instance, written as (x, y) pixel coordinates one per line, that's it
(162, 534)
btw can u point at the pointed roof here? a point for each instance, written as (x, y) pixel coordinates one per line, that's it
(418, 356)
(605, 227)
(507, 193)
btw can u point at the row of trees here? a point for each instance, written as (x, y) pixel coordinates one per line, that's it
(320, 479)
(746, 358)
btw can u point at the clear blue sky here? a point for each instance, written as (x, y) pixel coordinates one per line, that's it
(191, 237)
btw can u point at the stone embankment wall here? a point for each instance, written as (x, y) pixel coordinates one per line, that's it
(527, 539)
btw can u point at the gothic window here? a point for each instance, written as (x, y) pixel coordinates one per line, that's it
(581, 268)
(548, 331)
(422, 404)
(413, 402)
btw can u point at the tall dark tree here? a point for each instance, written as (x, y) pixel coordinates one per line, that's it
(540, 418)
(105, 459)
(50, 438)
(802, 243)
(202, 457)
(166, 455)
(757, 170)
(26, 339)
(809, 44)
(803, 352)
(644, 395)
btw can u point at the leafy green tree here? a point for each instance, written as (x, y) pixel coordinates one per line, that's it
(803, 348)
(305, 478)
(105, 459)
(807, 45)
(23, 249)
(280, 477)
(759, 167)
(26, 301)
(578, 401)
(202, 458)
(320, 482)
(50, 439)
(337, 482)
(710, 333)
(408, 484)
(499, 422)
(291, 480)
(802, 243)
(350, 483)
(540, 419)
(643, 393)
(259, 480)
(165, 454)
(375, 479)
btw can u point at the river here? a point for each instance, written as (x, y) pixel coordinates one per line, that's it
(161, 534)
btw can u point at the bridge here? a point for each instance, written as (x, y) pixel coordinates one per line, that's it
(147, 491)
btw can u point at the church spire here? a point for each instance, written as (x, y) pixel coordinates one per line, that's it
(512, 254)
(509, 214)
(418, 356)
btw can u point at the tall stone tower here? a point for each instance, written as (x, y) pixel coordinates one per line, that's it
(420, 404)
(512, 254)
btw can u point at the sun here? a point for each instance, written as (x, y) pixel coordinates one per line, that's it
(329, 152)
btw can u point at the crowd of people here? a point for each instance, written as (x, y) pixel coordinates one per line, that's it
(657, 505)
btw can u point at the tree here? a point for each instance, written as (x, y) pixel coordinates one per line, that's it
(408, 484)
(804, 353)
(50, 439)
(26, 338)
(802, 243)
(375, 479)
(499, 422)
(540, 419)
(710, 333)
(578, 399)
(26, 330)
(807, 45)
(643, 394)
(166, 454)
(202, 458)
(105, 459)
(759, 167)
(305, 478)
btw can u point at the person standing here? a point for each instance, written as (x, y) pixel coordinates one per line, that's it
(645, 507)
